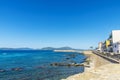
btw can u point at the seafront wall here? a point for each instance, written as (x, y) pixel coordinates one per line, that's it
(95, 62)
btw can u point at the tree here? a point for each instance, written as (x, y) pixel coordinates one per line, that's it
(91, 47)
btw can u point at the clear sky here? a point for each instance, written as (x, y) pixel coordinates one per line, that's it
(57, 23)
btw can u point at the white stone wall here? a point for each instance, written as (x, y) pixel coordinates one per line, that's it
(100, 46)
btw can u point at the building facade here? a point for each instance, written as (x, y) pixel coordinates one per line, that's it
(100, 45)
(112, 44)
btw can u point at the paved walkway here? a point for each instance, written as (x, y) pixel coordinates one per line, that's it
(108, 71)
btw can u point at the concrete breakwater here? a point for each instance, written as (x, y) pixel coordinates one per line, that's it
(97, 70)
(64, 51)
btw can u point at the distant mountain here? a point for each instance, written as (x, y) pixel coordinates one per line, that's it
(48, 48)
(25, 48)
(61, 48)
(65, 48)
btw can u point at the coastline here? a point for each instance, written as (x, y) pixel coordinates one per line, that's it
(100, 69)
(38, 63)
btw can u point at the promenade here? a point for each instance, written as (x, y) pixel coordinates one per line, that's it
(100, 69)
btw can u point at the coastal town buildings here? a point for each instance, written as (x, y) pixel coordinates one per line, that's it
(112, 44)
(116, 47)
(100, 47)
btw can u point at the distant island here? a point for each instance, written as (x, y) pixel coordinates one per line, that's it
(61, 48)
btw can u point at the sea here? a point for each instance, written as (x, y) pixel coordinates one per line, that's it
(36, 64)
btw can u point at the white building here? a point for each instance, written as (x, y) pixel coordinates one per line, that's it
(115, 36)
(116, 48)
(115, 41)
(100, 46)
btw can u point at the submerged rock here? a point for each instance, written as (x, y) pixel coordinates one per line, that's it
(26, 78)
(54, 64)
(67, 58)
(66, 64)
(2, 70)
(40, 67)
(17, 69)
(72, 55)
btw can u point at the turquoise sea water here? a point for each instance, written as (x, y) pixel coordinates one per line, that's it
(35, 64)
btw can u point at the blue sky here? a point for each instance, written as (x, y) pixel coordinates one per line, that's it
(57, 23)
